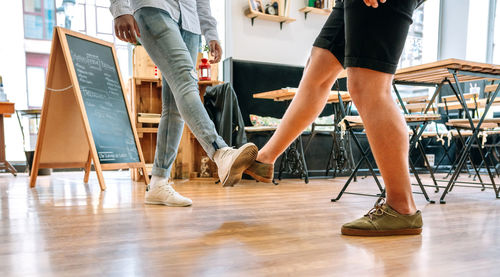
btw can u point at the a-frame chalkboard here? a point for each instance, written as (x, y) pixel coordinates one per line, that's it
(85, 115)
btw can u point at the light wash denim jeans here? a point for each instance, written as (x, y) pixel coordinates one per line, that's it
(174, 51)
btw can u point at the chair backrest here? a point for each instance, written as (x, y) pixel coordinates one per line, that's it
(451, 102)
(417, 104)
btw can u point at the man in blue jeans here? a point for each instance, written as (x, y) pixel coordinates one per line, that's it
(170, 31)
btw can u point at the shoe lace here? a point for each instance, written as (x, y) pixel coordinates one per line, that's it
(378, 210)
(167, 188)
(225, 153)
(223, 159)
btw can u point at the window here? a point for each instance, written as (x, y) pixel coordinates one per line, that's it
(36, 68)
(72, 14)
(422, 42)
(218, 12)
(412, 53)
(477, 33)
(496, 35)
(39, 19)
(104, 21)
(35, 77)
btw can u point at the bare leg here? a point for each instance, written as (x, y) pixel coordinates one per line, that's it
(386, 131)
(319, 75)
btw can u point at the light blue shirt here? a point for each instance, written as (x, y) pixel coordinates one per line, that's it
(196, 14)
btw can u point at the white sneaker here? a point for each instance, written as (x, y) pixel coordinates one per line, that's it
(231, 163)
(163, 193)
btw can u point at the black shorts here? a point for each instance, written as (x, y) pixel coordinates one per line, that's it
(362, 36)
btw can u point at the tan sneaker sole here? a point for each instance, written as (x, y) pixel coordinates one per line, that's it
(258, 177)
(378, 233)
(166, 204)
(244, 160)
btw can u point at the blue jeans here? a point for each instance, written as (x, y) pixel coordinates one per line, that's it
(174, 51)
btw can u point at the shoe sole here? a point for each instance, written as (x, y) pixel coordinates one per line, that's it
(258, 177)
(242, 162)
(166, 204)
(379, 233)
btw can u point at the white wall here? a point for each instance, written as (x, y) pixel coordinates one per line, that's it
(13, 71)
(265, 41)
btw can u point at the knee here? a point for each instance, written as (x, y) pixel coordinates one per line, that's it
(170, 112)
(366, 85)
(323, 68)
(356, 88)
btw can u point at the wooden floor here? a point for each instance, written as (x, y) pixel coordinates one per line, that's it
(66, 228)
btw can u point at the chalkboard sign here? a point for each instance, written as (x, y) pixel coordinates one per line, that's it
(85, 116)
(104, 101)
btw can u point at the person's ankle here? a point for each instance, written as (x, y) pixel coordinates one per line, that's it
(402, 207)
(155, 180)
(264, 158)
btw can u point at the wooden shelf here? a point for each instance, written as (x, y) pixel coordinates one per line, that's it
(209, 83)
(307, 10)
(281, 19)
(147, 130)
(148, 118)
(139, 81)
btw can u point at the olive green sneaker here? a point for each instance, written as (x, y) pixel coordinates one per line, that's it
(261, 172)
(382, 220)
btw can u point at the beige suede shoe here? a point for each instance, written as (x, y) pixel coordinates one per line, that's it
(261, 172)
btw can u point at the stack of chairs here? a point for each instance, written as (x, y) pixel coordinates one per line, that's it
(461, 131)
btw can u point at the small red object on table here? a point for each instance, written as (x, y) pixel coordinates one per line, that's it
(205, 69)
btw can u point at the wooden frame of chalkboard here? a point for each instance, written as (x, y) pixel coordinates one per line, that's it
(85, 115)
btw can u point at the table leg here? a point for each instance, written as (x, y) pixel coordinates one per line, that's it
(4, 164)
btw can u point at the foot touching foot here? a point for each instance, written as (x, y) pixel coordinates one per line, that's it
(261, 172)
(232, 162)
(382, 220)
(162, 193)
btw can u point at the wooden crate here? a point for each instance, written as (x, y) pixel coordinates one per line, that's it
(144, 94)
(144, 67)
(145, 97)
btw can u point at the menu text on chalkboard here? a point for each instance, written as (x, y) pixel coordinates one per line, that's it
(104, 101)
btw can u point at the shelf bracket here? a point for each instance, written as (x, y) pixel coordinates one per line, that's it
(305, 15)
(253, 19)
(281, 25)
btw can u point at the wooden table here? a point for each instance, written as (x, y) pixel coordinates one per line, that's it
(203, 85)
(6, 109)
(286, 94)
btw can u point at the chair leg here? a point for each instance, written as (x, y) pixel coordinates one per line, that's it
(364, 157)
(426, 162)
(492, 178)
(419, 182)
(302, 160)
(330, 157)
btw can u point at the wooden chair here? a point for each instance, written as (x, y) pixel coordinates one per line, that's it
(462, 132)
